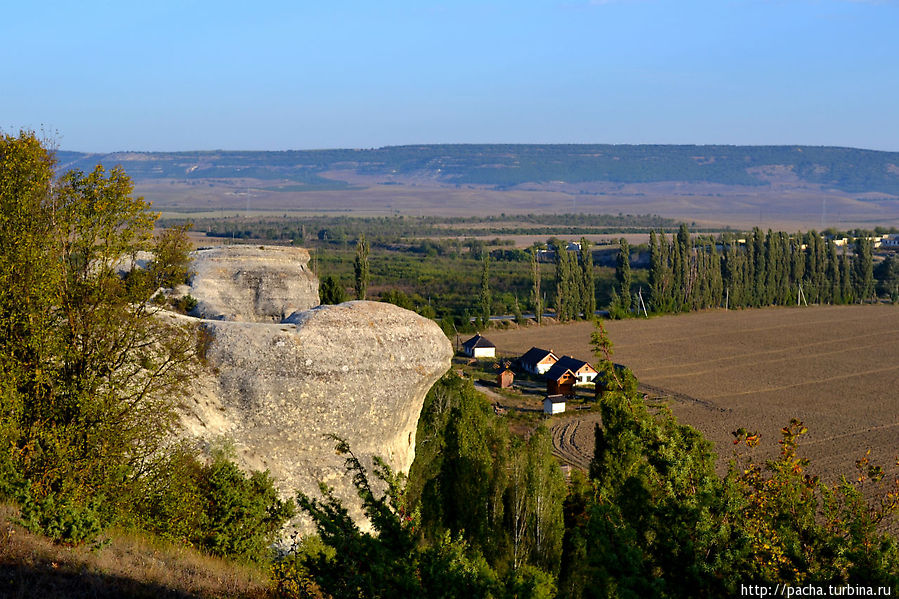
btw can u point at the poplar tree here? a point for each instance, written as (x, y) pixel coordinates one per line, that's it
(655, 271)
(537, 297)
(485, 298)
(833, 273)
(360, 267)
(864, 269)
(564, 287)
(845, 277)
(589, 298)
(623, 275)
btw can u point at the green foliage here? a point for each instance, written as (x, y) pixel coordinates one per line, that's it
(771, 268)
(624, 277)
(171, 264)
(60, 519)
(485, 300)
(360, 268)
(213, 506)
(472, 478)
(331, 291)
(655, 520)
(536, 296)
(89, 378)
(242, 514)
(800, 530)
(388, 564)
(185, 304)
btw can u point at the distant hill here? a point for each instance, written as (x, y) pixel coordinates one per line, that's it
(504, 166)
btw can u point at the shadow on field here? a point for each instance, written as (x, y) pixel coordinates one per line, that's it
(21, 581)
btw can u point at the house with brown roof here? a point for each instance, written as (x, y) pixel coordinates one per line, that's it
(560, 382)
(504, 379)
(537, 360)
(582, 371)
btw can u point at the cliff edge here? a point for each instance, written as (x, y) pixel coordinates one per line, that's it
(358, 370)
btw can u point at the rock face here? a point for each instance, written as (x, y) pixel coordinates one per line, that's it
(252, 283)
(359, 370)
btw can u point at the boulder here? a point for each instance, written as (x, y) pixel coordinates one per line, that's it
(276, 391)
(252, 283)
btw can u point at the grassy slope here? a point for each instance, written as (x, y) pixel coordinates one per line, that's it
(128, 566)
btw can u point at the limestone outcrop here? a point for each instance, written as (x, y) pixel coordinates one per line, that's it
(252, 283)
(275, 390)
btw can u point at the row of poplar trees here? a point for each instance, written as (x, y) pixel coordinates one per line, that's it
(773, 268)
(575, 284)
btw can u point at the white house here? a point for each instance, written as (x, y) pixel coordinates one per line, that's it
(553, 404)
(890, 241)
(479, 347)
(581, 370)
(537, 361)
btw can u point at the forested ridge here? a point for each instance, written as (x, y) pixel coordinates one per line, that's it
(504, 165)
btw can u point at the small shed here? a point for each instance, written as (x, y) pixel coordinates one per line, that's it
(479, 347)
(504, 379)
(553, 404)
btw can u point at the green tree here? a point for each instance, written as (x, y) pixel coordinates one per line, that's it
(589, 281)
(91, 377)
(485, 299)
(863, 271)
(331, 291)
(564, 288)
(171, 264)
(536, 295)
(391, 562)
(887, 274)
(360, 267)
(623, 276)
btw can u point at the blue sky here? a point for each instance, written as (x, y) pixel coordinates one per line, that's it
(295, 75)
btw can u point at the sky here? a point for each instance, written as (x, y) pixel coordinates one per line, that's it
(195, 75)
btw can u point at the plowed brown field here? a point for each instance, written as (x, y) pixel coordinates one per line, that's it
(834, 367)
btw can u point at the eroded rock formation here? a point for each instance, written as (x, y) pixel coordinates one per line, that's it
(252, 283)
(359, 370)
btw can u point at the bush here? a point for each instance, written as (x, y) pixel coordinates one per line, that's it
(215, 506)
(61, 519)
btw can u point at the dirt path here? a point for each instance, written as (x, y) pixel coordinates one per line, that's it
(573, 439)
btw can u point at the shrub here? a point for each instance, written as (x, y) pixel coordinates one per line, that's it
(61, 519)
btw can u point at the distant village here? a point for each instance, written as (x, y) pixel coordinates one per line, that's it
(561, 373)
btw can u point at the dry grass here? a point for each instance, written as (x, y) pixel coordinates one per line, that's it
(833, 367)
(128, 566)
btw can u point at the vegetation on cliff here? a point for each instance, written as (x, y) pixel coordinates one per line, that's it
(91, 375)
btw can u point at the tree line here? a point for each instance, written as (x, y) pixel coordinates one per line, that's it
(773, 268)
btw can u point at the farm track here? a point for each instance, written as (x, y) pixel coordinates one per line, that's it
(568, 437)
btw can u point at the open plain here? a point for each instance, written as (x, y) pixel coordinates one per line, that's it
(836, 368)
